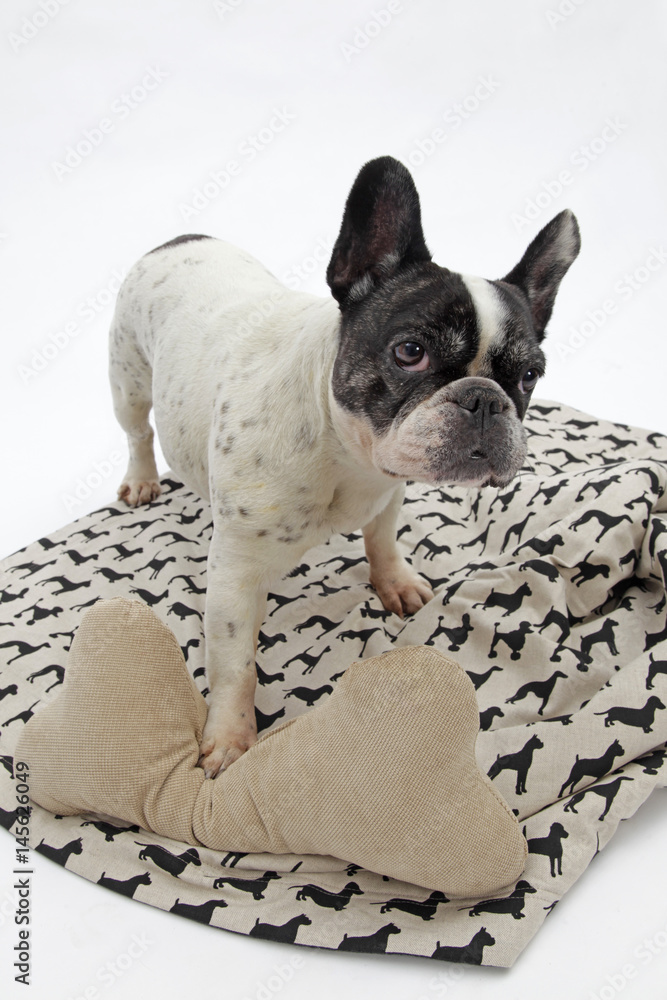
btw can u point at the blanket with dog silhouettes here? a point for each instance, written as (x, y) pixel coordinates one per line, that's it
(551, 593)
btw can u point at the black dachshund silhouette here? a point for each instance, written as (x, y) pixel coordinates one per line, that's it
(513, 904)
(256, 886)
(424, 908)
(324, 897)
(175, 864)
(642, 718)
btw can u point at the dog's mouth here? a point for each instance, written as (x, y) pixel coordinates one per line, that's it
(476, 472)
(479, 468)
(479, 459)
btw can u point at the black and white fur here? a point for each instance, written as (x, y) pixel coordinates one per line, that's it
(297, 417)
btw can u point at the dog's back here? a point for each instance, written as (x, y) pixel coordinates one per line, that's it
(194, 320)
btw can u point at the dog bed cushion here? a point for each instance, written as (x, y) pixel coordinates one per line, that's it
(549, 593)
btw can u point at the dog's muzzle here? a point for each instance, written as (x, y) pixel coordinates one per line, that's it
(482, 399)
(481, 440)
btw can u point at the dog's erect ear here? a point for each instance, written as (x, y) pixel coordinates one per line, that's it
(381, 231)
(545, 262)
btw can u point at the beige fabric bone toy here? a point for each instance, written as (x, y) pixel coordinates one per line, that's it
(383, 774)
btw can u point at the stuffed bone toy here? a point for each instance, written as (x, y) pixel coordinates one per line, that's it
(383, 774)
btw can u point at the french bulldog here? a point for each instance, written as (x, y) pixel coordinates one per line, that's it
(297, 416)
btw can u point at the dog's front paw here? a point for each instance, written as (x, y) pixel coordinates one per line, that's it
(135, 492)
(222, 744)
(402, 590)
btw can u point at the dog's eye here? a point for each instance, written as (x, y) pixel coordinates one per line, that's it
(529, 380)
(411, 356)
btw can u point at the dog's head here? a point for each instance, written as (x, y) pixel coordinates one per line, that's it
(435, 369)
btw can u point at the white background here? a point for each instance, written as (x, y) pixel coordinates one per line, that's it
(536, 106)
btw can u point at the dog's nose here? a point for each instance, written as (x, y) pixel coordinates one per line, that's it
(491, 406)
(481, 400)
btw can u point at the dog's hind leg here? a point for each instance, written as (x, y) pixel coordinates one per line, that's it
(131, 389)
